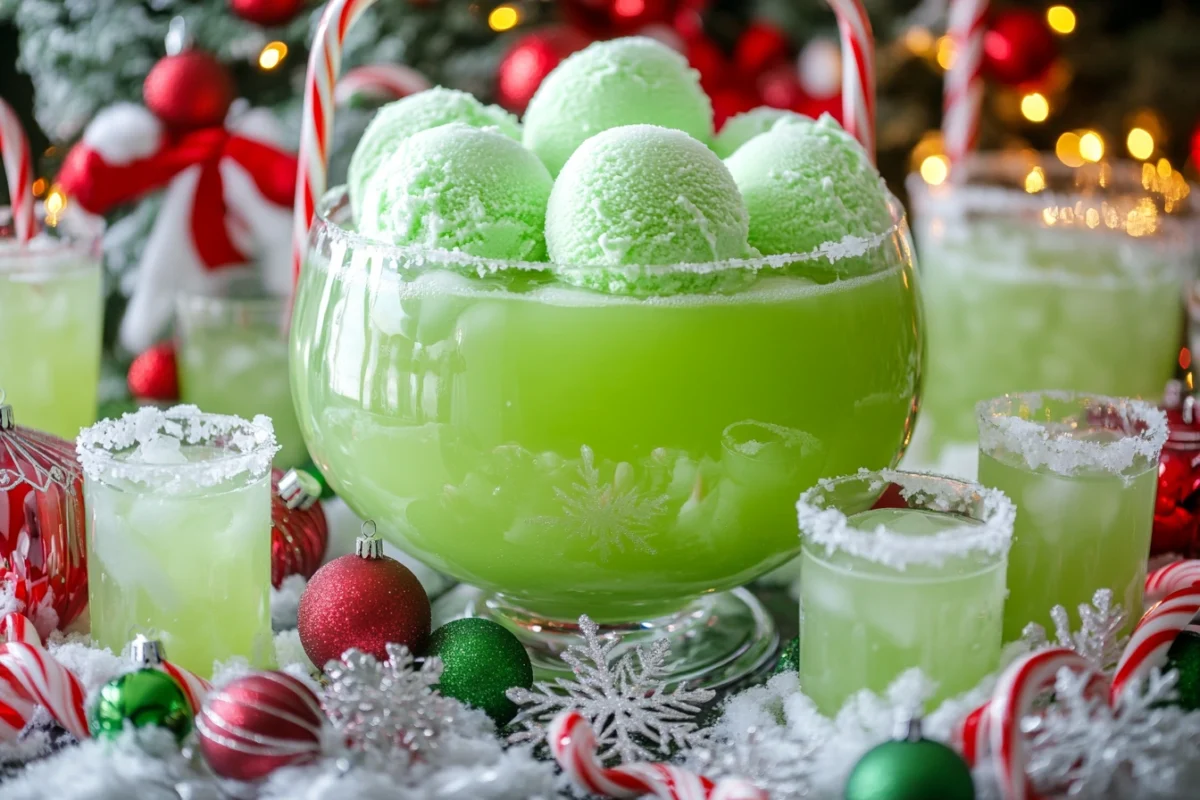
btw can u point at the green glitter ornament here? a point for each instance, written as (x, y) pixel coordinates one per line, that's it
(1184, 657)
(910, 768)
(789, 657)
(145, 697)
(482, 661)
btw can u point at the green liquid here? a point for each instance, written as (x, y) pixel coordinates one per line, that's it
(243, 371)
(50, 347)
(862, 624)
(1073, 535)
(585, 453)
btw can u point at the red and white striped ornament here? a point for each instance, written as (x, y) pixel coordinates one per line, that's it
(18, 167)
(259, 723)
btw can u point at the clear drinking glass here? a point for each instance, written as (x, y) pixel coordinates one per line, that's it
(883, 590)
(179, 533)
(233, 359)
(1036, 275)
(51, 307)
(615, 451)
(1083, 471)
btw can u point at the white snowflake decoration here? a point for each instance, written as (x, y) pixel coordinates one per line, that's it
(1098, 638)
(612, 516)
(625, 699)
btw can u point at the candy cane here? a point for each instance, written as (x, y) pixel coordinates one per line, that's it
(390, 81)
(18, 166)
(1019, 687)
(1152, 638)
(858, 71)
(194, 687)
(963, 96)
(1171, 578)
(971, 736)
(47, 682)
(16, 707)
(574, 747)
(16, 627)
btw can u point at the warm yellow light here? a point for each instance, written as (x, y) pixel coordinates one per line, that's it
(945, 52)
(1061, 19)
(55, 202)
(1140, 143)
(1067, 149)
(918, 40)
(935, 170)
(1035, 107)
(1035, 181)
(1091, 147)
(272, 55)
(1164, 168)
(39, 187)
(503, 18)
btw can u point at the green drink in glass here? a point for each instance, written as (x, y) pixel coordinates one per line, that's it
(883, 590)
(1083, 471)
(233, 360)
(179, 533)
(50, 317)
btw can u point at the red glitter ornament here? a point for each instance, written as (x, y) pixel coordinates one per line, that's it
(153, 375)
(189, 90)
(42, 546)
(365, 600)
(266, 12)
(1018, 46)
(1177, 505)
(299, 531)
(259, 723)
(530, 60)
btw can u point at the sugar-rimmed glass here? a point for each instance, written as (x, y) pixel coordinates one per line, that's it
(179, 533)
(1037, 275)
(1083, 471)
(883, 590)
(620, 442)
(51, 307)
(233, 359)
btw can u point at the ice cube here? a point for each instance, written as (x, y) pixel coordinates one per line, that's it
(159, 449)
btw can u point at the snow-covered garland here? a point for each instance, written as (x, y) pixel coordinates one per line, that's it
(1080, 745)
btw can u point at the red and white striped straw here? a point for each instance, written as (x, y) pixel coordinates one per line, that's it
(858, 71)
(18, 166)
(963, 96)
(387, 81)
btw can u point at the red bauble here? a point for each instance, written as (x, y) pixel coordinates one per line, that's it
(266, 12)
(1019, 46)
(366, 601)
(153, 375)
(707, 58)
(299, 531)
(530, 60)
(761, 46)
(780, 88)
(42, 546)
(259, 723)
(189, 90)
(1177, 505)
(730, 102)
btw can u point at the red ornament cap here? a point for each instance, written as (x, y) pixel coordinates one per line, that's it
(189, 90)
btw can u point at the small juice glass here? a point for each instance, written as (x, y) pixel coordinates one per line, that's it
(179, 533)
(883, 590)
(50, 312)
(233, 359)
(1083, 471)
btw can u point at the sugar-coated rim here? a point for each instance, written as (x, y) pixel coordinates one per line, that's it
(429, 258)
(1000, 428)
(251, 442)
(829, 527)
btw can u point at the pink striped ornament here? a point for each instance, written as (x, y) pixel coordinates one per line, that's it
(574, 747)
(1152, 638)
(858, 71)
(1171, 578)
(18, 167)
(963, 94)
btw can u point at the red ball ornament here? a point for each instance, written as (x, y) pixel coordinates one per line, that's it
(299, 531)
(259, 723)
(366, 601)
(1177, 505)
(153, 375)
(760, 47)
(731, 101)
(189, 90)
(707, 58)
(42, 546)
(1019, 46)
(266, 12)
(530, 60)
(780, 88)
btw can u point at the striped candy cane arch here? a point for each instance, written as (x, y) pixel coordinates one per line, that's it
(325, 64)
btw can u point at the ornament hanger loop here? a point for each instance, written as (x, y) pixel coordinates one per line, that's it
(368, 529)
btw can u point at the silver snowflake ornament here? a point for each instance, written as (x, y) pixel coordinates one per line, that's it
(625, 699)
(388, 712)
(1099, 637)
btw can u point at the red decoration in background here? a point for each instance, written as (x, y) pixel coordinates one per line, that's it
(1196, 146)
(1177, 506)
(605, 19)
(1019, 46)
(42, 545)
(530, 60)
(730, 102)
(266, 12)
(189, 90)
(299, 534)
(153, 375)
(761, 47)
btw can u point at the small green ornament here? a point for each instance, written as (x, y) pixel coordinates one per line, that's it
(145, 697)
(910, 768)
(789, 657)
(315, 471)
(1184, 658)
(482, 661)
